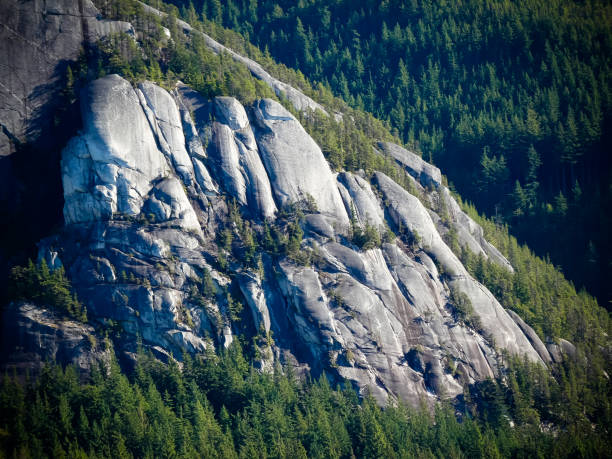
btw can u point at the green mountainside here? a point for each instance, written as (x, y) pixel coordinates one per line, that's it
(479, 95)
(512, 100)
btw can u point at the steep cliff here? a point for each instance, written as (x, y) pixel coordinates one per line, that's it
(39, 39)
(156, 181)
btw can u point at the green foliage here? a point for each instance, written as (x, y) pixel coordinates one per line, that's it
(537, 290)
(283, 236)
(464, 309)
(494, 92)
(37, 283)
(218, 406)
(468, 117)
(204, 291)
(234, 307)
(365, 237)
(207, 287)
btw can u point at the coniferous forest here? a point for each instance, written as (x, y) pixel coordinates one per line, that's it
(513, 102)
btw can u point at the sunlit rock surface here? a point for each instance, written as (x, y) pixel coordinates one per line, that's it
(149, 184)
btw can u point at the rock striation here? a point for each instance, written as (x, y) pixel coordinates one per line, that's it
(428, 182)
(149, 185)
(294, 162)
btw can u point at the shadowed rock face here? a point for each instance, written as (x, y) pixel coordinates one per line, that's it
(143, 213)
(38, 38)
(32, 336)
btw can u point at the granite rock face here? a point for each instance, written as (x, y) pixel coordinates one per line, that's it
(144, 206)
(407, 211)
(32, 336)
(37, 39)
(294, 162)
(165, 120)
(111, 166)
(428, 182)
(237, 157)
(360, 200)
(425, 173)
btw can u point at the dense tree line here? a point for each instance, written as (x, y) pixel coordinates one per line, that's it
(219, 406)
(513, 100)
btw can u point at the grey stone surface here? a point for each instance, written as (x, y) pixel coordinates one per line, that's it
(168, 201)
(407, 211)
(143, 214)
(532, 336)
(236, 156)
(112, 164)
(319, 225)
(37, 40)
(33, 335)
(360, 198)
(420, 169)
(258, 190)
(203, 177)
(409, 215)
(294, 162)
(230, 112)
(567, 347)
(167, 125)
(251, 288)
(224, 152)
(470, 233)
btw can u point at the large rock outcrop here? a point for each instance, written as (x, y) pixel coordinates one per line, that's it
(238, 160)
(144, 208)
(294, 162)
(38, 40)
(408, 212)
(428, 182)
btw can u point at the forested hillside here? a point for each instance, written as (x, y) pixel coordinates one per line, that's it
(512, 100)
(216, 404)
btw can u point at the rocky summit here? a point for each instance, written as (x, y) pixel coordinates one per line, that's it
(156, 180)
